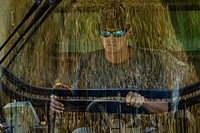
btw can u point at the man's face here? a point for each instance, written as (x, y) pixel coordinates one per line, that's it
(113, 39)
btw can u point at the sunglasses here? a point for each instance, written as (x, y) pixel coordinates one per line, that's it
(116, 33)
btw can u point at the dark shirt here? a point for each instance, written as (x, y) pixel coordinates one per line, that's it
(143, 71)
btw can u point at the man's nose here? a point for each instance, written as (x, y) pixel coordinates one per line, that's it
(112, 39)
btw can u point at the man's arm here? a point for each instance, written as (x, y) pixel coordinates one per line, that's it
(156, 106)
(153, 106)
(177, 72)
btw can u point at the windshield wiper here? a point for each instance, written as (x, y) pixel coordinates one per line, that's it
(30, 12)
(38, 15)
(35, 29)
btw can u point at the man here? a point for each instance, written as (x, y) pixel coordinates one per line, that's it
(114, 32)
(121, 66)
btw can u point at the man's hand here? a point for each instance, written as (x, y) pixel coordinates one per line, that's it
(56, 106)
(134, 99)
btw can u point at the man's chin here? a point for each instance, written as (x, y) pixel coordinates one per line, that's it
(110, 50)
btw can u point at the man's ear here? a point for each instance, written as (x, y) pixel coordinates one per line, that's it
(129, 31)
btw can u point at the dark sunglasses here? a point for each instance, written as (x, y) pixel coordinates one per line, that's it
(116, 33)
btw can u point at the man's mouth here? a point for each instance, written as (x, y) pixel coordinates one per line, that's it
(111, 45)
